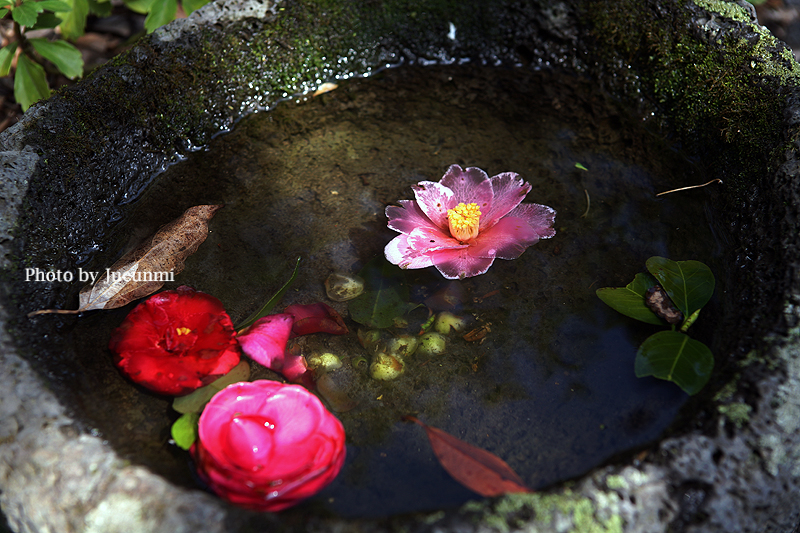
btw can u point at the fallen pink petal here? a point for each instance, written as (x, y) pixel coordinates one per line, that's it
(464, 222)
(265, 343)
(315, 318)
(266, 445)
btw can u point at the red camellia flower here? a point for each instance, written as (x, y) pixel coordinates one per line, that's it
(267, 445)
(175, 342)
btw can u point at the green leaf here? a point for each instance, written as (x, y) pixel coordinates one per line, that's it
(46, 21)
(194, 402)
(385, 295)
(7, 57)
(54, 5)
(689, 284)
(264, 311)
(30, 82)
(101, 9)
(26, 13)
(139, 6)
(191, 5)
(63, 55)
(184, 430)
(3, 12)
(74, 23)
(161, 12)
(675, 357)
(629, 300)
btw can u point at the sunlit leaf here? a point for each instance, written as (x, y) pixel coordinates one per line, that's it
(54, 5)
(3, 12)
(161, 12)
(191, 5)
(689, 284)
(629, 300)
(74, 23)
(30, 82)
(184, 430)
(7, 57)
(473, 467)
(26, 13)
(385, 296)
(675, 357)
(272, 302)
(139, 6)
(195, 401)
(62, 54)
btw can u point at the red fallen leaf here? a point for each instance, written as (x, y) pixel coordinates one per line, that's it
(315, 318)
(476, 469)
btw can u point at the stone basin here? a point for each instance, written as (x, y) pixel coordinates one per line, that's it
(703, 73)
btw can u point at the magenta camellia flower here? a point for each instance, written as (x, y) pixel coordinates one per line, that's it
(267, 445)
(466, 221)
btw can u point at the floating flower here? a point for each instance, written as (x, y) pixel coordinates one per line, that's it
(266, 445)
(175, 342)
(265, 343)
(466, 221)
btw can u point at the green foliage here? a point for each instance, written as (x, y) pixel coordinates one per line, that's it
(184, 430)
(669, 355)
(195, 401)
(385, 295)
(33, 54)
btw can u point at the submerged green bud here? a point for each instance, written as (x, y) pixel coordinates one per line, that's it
(432, 343)
(323, 363)
(402, 345)
(386, 367)
(446, 321)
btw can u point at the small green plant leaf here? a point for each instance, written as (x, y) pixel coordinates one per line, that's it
(54, 5)
(101, 9)
(270, 305)
(194, 402)
(689, 284)
(3, 12)
(26, 13)
(675, 357)
(161, 12)
(74, 23)
(191, 5)
(7, 57)
(30, 82)
(629, 300)
(139, 6)
(385, 295)
(46, 21)
(63, 55)
(184, 430)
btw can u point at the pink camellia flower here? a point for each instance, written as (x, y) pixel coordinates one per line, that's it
(267, 445)
(265, 343)
(466, 221)
(176, 341)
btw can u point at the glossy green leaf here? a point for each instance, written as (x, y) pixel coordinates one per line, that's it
(7, 57)
(385, 295)
(161, 12)
(139, 6)
(629, 300)
(30, 82)
(689, 284)
(3, 12)
(191, 5)
(272, 302)
(54, 5)
(63, 55)
(194, 402)
(101, 9)
(26, 13)
(675, 357)
(184, 430)
(74, 23)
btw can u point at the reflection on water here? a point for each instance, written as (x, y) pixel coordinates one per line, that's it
(551, 389)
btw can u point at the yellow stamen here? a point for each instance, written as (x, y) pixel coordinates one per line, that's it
(464, 220)
(183, 331)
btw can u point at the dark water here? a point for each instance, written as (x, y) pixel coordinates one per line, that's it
(551, 389)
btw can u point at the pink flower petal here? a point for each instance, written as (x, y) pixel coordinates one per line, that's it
(540, 217)
(408, 217)
(506, 240)
(315, 318)
(509, 190)
(398, 252)
(434, 199)
(460, 264)
(265, 341)
(424, 239)
(468, 186)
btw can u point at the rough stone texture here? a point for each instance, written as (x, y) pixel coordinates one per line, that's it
(731, 466)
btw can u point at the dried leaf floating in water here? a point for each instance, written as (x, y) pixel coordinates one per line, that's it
(144, 270)
(475, 468)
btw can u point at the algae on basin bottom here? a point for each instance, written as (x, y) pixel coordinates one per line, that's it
(550, 388)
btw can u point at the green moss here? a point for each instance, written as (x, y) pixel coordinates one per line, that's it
(737, 412)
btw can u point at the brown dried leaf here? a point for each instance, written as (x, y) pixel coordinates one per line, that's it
(144, 270)
(475, 468)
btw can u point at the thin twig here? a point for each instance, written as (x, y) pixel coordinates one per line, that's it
(588, 204)
(690, 187)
